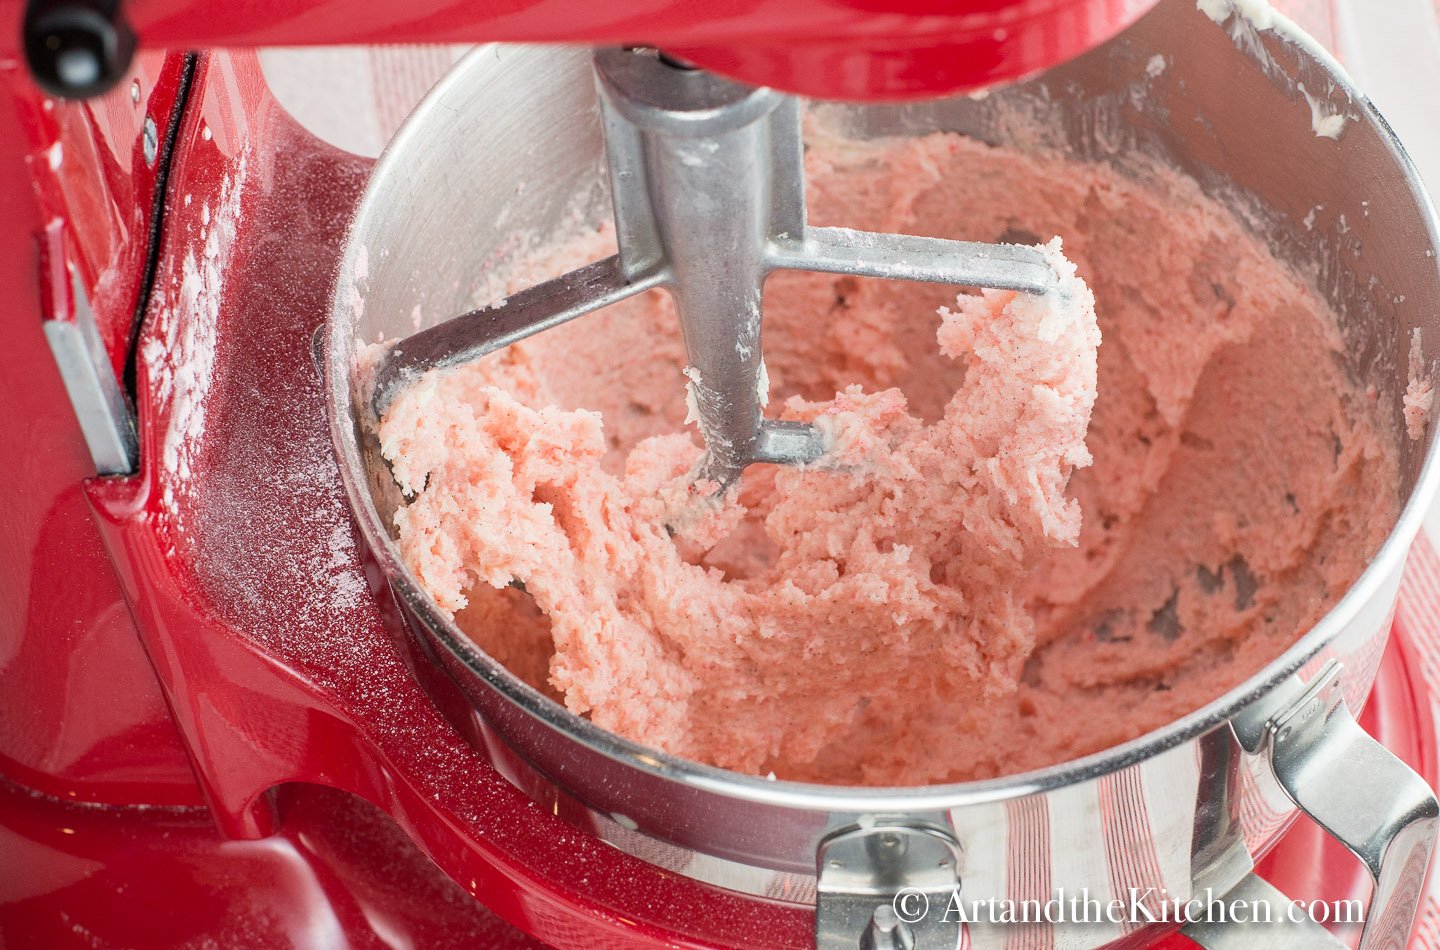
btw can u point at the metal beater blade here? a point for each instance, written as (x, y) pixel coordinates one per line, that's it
(708, 189)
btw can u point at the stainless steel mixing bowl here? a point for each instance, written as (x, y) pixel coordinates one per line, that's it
(1185, 808)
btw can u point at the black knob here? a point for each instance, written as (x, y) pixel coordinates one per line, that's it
(77, 48)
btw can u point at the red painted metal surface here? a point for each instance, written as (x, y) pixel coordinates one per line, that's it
(81, 715)
(847, 49)
(339, 874)
(89, 170)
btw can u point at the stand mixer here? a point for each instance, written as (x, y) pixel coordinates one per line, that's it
(208, 628)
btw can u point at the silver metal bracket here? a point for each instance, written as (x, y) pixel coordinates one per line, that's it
(885, 885)
(106, 419)
(1364, 797)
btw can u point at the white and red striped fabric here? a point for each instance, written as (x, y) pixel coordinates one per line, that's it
(1417, 619)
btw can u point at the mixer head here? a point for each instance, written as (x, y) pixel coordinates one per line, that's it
(707, 183)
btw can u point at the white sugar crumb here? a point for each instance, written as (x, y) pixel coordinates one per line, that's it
(1324, 122)
(1420, 393)
(359, 282)
(762, 385)
(1217, 10)
(1258, 14)
(344, 584)
(1155, 66)
(55, 155)
(1244, 20)
(692, 402)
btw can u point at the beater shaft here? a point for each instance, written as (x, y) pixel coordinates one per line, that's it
(708, 188)
(707, 177)
(693, 181)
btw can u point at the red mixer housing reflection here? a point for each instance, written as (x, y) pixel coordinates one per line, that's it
(199, 738)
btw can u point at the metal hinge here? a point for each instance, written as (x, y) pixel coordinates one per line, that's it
(885, 884)
(1359, 793)
(106, 420)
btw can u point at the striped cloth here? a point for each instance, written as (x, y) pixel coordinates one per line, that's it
(1417, 619)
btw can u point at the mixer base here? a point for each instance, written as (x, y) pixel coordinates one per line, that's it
(340, 873)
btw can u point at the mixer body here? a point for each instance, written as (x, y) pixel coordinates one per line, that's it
(831, 48)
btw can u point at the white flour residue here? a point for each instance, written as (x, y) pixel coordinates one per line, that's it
(318, 554)
(359, 280)
(1420, 393)
(179, 352)
(346, 585)
(1155, 66)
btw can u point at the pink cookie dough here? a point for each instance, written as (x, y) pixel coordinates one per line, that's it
(957, 591)
(1419, 393)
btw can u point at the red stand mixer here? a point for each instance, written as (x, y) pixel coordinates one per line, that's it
(203, 628)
